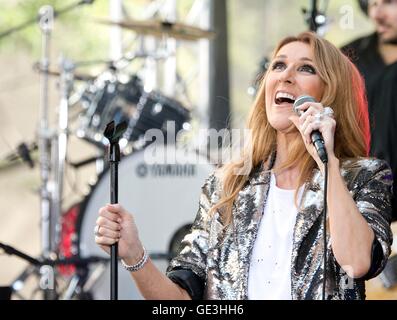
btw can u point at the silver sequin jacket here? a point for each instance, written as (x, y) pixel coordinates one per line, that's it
(219, 260)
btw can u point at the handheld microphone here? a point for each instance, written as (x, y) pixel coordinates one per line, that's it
(316, 136)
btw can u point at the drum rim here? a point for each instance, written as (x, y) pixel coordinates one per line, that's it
(83, 209)
(84, 202)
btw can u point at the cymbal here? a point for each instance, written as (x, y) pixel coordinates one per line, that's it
(77, 76)
(159, 28)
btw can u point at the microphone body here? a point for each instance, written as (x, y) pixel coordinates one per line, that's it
(316, 136)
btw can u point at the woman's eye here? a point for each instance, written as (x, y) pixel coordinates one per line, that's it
(278, 66)
(308, 68)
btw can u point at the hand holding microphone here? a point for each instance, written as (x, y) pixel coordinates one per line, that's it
(317, 126)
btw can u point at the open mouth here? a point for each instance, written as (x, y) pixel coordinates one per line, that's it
(284, 98)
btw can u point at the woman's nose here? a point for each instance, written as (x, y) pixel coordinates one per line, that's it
(286, 76)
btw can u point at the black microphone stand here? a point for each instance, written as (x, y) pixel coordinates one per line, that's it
(113, 134)
(35, 19)
(316, 19)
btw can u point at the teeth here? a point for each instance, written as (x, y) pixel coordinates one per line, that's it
(285, 95)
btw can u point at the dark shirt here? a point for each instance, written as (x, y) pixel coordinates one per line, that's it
(381, 86)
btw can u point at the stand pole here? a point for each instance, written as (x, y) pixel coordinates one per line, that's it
(114, 158)
(113, 134)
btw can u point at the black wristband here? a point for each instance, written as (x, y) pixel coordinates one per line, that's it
(189, 281)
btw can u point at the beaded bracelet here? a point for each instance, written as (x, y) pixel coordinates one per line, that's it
(139, 265)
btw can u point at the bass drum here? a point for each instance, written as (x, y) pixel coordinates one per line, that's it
(161, 187)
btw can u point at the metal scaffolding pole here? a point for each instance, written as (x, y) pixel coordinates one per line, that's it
(219, 100)
(115, 34)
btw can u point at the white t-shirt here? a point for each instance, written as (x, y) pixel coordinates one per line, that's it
(269, 275)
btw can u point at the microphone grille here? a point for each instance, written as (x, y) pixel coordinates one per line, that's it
(301, 100)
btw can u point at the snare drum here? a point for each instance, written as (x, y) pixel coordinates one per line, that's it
(162, 192)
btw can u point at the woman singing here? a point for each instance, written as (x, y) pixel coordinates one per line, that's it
(259, 234)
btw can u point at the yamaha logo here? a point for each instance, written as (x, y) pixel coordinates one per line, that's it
(142, 170)
(166, 170)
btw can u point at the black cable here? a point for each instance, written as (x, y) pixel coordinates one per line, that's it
(325, 225)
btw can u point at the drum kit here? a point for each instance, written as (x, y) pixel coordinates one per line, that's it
(162, 194)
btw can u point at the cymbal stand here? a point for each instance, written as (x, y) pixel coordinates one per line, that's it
(50, 190)
(46, 26)
(60, 141)
(52, 147)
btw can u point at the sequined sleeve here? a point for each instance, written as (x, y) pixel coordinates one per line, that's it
(194, 246)
(373, 199)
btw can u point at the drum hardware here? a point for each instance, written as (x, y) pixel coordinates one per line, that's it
(111, 98)
(152, 112)
(79, 262)
(82, 163)
(52, 149)
(159, 28)
(12, 251)
(118, 64)
(80, 265)
(25, 152)
(47, 221)
(82, 284)
(129, 57)
(58, 73)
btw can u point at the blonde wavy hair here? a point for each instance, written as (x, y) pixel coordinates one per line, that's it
(344, 90)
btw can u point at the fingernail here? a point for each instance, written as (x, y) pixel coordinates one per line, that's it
(119, 220)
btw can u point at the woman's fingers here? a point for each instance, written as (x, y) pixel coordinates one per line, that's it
(103, 231)
(309, 129)
(103, 212)
(107, 223)
(309, 109)
(304, 125)
(105, 241)
(119, 209)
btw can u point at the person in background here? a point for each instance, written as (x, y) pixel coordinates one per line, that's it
(375, 56)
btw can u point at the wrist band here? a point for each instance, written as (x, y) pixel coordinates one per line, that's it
(137, 266)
